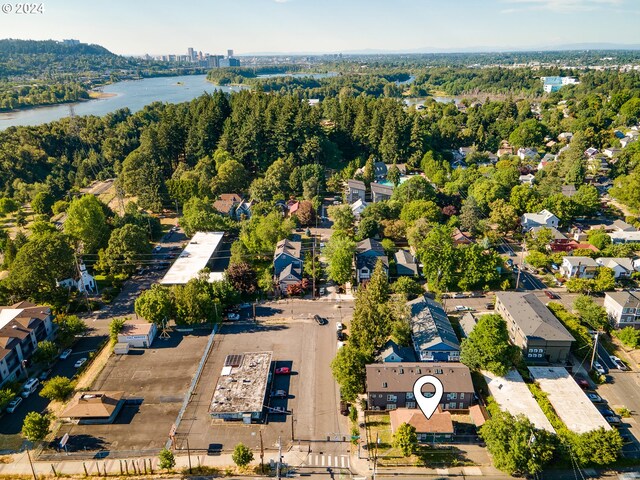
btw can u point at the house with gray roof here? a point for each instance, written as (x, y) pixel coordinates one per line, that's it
(356, 190)
(578, 267)
(380, 170)
(534, 328)
(542, 219)
(287, 263)
(623, 308)
(394, 353)
(622, 267)
(406, 264)
(434, 339)
(368, 252)
(380, 193)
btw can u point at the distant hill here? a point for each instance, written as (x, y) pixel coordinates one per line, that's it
(12, 46)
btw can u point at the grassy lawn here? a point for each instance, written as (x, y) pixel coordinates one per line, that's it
(379, 426)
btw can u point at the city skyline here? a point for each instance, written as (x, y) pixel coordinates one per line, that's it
(299, 26)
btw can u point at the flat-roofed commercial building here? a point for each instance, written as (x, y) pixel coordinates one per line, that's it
(571, 404)
(198, 254)
(242, 387)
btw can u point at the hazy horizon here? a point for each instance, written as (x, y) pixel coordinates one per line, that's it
(299, 27)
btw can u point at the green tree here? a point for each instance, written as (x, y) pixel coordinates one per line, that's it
(590, 312)
(629, 336)
(587, 200)
(86, 223)
(339, 252)
(504, 216)
(6, 395)
(242, 455)
(8, 205)
(198, 215)
(537, 259)
(194, 302)
(231, 178)
(155, 305)
(42, 203)
(349, 370)
(342, 218)
(60, 206)
(69, 326)
(406, 439)
(416, 209)
(368, 228)
(243, 277)
(393, 175)
(439, 257)
(529, 133)
(167, 460)
(470, 215)
(407, 287)
(605, 280)
(128, 248)
(46, 353)
(599, 238)
(488, 347)
(57, 388)
(115, 327)
(416, 188)
(515, 445)
(597, 447)
(36, 426)
(21, 218)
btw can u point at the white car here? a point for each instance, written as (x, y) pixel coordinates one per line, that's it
(157, 248)
(233, 316)
(339, 326)
(64, 355)
(598, 368)
(619, 363)
(461, 308)
(80, 362)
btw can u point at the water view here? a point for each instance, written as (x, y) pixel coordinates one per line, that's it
(132, 94)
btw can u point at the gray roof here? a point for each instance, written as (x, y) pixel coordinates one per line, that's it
(569, 190)
(468, 323)
(382, 189)
(580, 261)
(380, 168)
(288, 247)
(430, 326)
(624, 226)
(555, 233)
(356, 184)
(626, 299)
(369, 244)
(400, 377)
(533, 317)
(290, 270)
(405, 353)
(407, 260)
(370, 262)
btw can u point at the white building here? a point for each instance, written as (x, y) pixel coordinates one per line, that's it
(84, 282)
(358, 207)
(542, 219)
(579, 267)
(197, 254)
(138, 334)
(623, 308)
(622, 267)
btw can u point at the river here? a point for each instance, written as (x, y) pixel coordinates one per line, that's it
(132, 94)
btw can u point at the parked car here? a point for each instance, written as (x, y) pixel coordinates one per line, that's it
(278, 410)
(322, 291)
(459, 295)
(461, 308)
(283, 371)
(29, 387)
(319, 320)
(233, 316)
(550, 294)
(339, 326)
(619, 363)
(615, 421)
(477, 295)
(279, 394)
(340, 335)
(80, 362)
(340, 345)
(594, 397)
(14, 404)
(344, 408)
(606, 412)
(44, 375)
(582, 383)
(64, 355)
(245, 305)
(157, 248)
(490, 306)
(598, 368)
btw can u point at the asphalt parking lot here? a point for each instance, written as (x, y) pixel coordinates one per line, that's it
(158, 378)
(286, 329)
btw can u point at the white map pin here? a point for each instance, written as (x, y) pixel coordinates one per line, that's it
(428, 405)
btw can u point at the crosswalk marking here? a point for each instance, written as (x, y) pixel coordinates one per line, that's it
(317, 460)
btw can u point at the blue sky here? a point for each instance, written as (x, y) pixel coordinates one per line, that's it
(250, 26)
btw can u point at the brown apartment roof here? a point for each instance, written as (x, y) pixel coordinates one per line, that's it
(440, 422)
(400, 377)
(226, 201)
(92, 405)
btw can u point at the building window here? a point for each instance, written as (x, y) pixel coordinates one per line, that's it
(392, 398)
(452, 405)
(411, 404)
(384, 384)
(462, 396)
(452, 396)
(461, 405)
(409, 395)
(391, 406)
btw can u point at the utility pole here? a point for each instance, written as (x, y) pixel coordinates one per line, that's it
(595, 347)
(261, 454)
(188, 454)
(31, 465)
(292, 421)
(279, 458)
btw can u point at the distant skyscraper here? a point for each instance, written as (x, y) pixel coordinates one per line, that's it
(191, 53)
(229, 53)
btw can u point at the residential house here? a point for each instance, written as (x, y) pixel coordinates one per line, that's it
(358, 207)
(381, 192)
(92, 408)
(406, 264)
(623, 308)
(82, 281)
(533, 328)
(558, 239)
(226, 204)
(380, 170)
(368, 252)
(611, 152)
(293, 206)
(546, 160)
(578, 267)
(22, 326)
(461, 238)
(287, 264)
(243, 210)
(527, 153)
(624, 142)
(590, 152)
(565, 137)
(618, 134)
(527, 179)
(468, 322)
(622, 267)
(624, 237)
(569, 190)
(437, 429)
(390, 385)
(356, 190)
(393, 353)
(542, 219)
(434, 339)
(505, 149)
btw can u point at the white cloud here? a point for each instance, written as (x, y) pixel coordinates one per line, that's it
(282, 1)
(560, 6)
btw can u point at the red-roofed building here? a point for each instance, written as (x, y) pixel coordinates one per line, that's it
(438, 428)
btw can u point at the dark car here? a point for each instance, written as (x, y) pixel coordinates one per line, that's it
(319, 320)
(605, 412)
(279, 394)
(550, 294)
(344, 408)
(340, 335)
